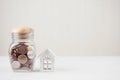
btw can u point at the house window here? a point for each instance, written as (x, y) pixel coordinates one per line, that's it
(47, 63)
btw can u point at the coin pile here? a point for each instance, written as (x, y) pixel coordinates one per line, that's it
(22, 56)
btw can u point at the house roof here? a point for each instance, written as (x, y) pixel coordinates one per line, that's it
(47, 52)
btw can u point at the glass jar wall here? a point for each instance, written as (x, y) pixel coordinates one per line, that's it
(22, 50)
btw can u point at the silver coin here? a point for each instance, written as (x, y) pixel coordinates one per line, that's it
(15, 64)
(30, 54)
(30, 48)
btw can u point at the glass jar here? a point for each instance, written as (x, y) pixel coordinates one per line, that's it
(22, 51)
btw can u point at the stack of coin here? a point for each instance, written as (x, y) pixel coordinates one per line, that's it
(22, 56)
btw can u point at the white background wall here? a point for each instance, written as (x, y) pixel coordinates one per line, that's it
(68, 27)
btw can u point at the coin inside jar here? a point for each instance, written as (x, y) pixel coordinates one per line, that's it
(15, 64)
(30, 48)
(22, 49)
(30, 52)
(22, 59)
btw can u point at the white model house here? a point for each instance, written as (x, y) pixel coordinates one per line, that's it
(47, 60)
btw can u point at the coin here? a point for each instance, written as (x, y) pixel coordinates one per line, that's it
(30, 54)
(15, 64)
(30, 48)
(22, 49)
(22, 59)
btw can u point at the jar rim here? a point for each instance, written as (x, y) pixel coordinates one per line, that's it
(22, 36)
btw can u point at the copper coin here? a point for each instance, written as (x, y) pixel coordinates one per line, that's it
(22, 49)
